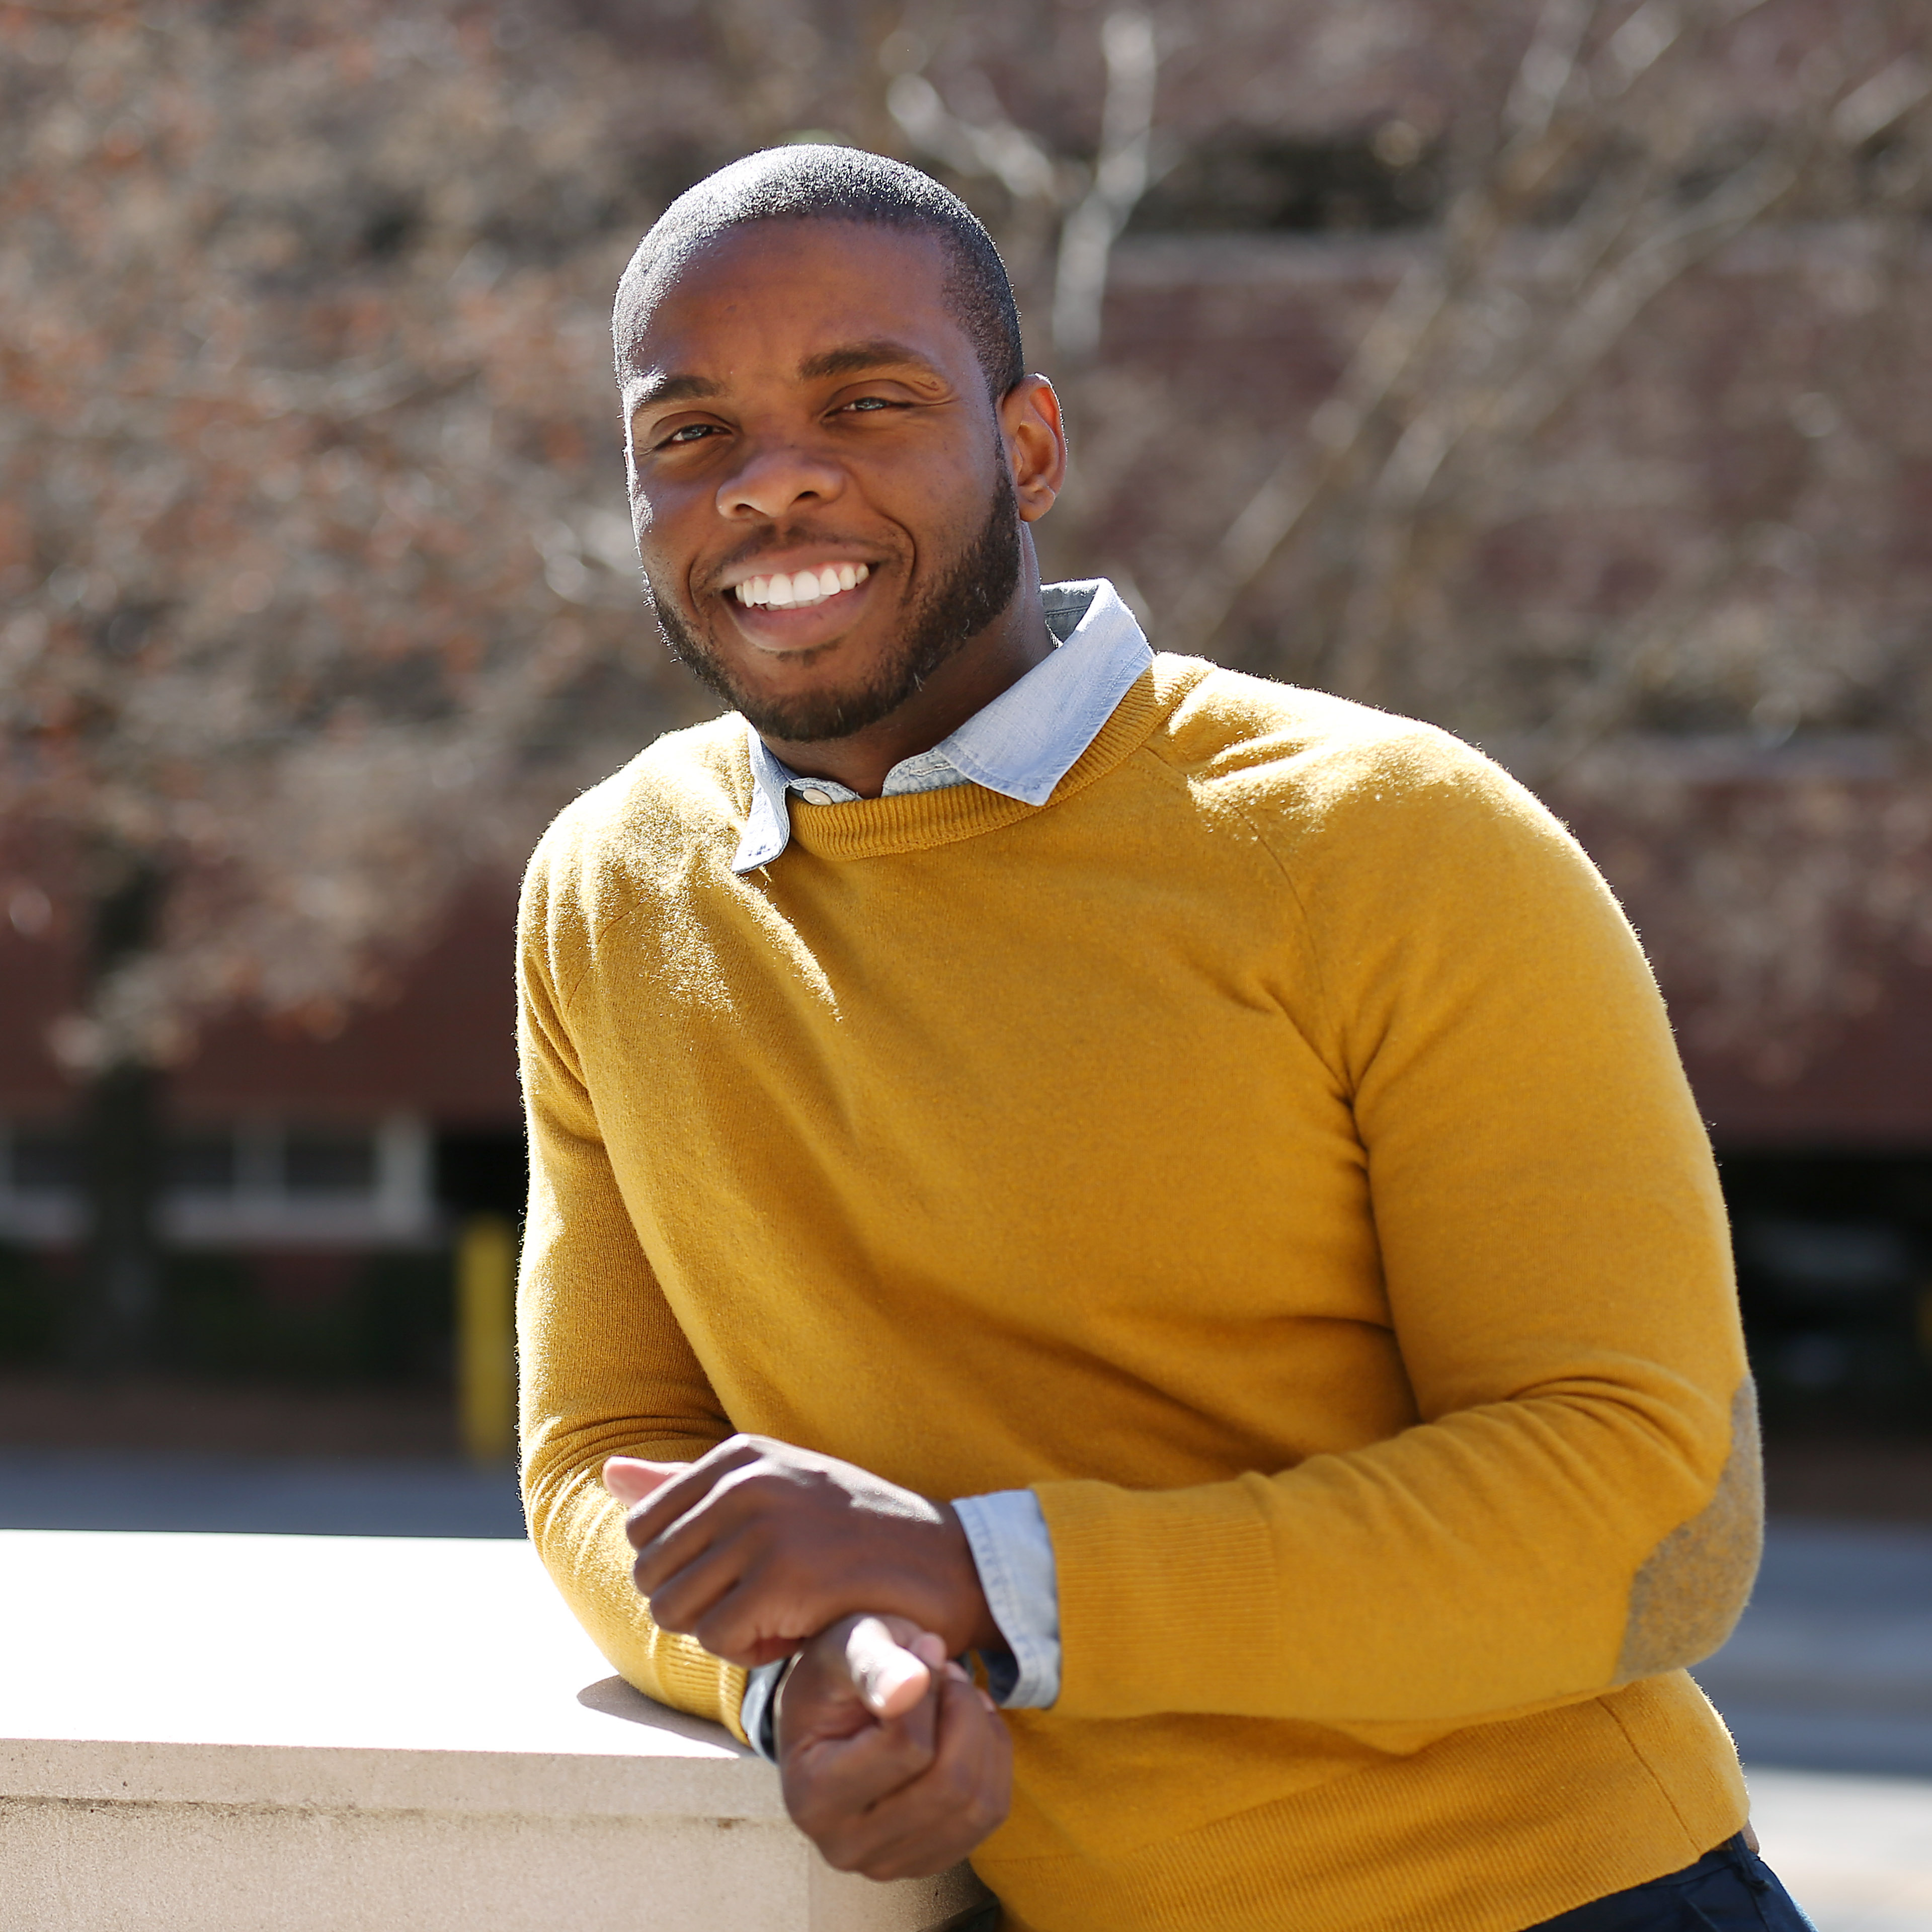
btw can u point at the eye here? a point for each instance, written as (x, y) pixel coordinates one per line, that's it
(690, 433)
(871, 405)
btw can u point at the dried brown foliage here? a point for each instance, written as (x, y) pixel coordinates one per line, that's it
(320, 589)
(1615, 457)
(1625, 474)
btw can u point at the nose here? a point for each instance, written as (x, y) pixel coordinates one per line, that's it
(776, 478)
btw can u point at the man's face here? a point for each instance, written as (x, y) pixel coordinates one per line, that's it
(818, 479)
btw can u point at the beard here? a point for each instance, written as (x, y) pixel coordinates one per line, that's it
(976, 586)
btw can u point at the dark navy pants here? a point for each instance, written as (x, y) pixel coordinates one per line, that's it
(1729, 1890)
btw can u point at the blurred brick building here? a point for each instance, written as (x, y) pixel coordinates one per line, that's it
(308, 1156)
(308, 1160)
(282, 1141)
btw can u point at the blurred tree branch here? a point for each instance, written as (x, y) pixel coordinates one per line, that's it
(1087, 207)
(319, 592)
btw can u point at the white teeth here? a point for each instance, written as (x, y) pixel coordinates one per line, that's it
(783, 593)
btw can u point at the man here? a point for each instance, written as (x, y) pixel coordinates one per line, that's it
(1129, 1242)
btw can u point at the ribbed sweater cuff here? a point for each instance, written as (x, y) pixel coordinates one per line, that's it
(1169, 1600)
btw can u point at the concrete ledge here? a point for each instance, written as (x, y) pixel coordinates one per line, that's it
(328, 1734)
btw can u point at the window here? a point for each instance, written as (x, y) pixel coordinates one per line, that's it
(262, 1182)
(202, 1162)
(43, 1160)
(322, 1161)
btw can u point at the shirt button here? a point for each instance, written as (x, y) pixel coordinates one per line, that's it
(813, 795)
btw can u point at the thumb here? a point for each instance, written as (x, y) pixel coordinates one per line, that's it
(630, 1478)
(890, 1676)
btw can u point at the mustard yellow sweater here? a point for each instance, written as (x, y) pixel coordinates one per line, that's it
(1273, 1151)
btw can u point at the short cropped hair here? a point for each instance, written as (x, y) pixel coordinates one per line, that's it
(807, 182)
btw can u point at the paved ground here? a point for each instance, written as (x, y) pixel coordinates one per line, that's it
(106, 1489)
(1831, 1668)
(1827, 1685)
(1856, 1853)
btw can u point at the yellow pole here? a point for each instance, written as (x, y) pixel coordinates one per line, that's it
(486, 1378)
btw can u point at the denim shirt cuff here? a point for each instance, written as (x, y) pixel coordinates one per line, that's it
(1008, 1534)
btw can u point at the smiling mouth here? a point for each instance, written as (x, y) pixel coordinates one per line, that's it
(800, 589)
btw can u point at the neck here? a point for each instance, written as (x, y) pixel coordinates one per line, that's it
(967, 683)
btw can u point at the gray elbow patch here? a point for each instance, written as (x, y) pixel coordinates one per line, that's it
(1687, 1598)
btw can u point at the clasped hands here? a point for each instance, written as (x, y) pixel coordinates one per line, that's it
(892, 1761)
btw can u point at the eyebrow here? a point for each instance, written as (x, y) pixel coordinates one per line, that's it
(853, 359)
(850, 359)
(674, 389)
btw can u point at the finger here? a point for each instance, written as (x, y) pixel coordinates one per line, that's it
(857, 1763)
(832, 1783)
(630, 1478)
(947, 1811)
(731, 1600)
(663, 1505)
(935, 1819)
(716, 1522)
(836, 1759)
(972, 1756)
(963, 1707)
(889, 1678)
(820, 1700)
(682, 1600)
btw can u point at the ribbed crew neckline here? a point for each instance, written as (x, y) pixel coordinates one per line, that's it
(872, 828)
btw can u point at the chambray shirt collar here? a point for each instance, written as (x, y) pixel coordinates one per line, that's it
(1021, 744)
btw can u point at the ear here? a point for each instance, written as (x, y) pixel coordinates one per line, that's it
(1035, 444)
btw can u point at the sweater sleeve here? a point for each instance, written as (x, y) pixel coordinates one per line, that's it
(584, 1281)
(1578, 1504)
